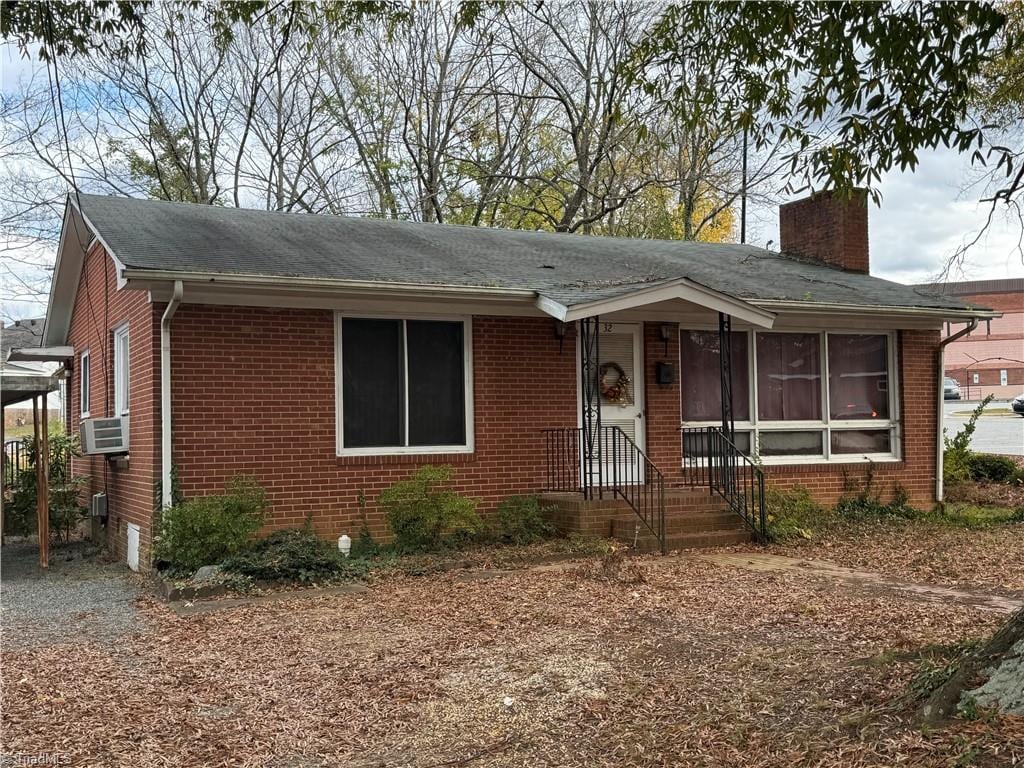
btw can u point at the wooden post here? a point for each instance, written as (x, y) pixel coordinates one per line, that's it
(39, 464)
(43, 492)
(3, 471)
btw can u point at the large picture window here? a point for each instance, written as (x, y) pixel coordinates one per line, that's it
(797, 396)
(403, 385)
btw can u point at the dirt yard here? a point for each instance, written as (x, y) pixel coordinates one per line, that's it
(645, 662)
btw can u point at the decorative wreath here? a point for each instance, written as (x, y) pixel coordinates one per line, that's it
(615, 390)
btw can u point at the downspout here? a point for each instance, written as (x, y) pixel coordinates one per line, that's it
(166, 490)
(941, 412)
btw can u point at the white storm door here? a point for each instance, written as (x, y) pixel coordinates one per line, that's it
(620, 348)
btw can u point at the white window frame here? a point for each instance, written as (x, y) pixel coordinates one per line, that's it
(84, 384)
(405, 450)
(826, 425)
(122, 370)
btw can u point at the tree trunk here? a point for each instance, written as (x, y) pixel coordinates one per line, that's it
(943, 701)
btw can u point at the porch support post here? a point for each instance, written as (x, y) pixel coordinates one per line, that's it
(725, 360)
(590, 434)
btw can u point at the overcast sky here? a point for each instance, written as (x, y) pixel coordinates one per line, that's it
(923, 218)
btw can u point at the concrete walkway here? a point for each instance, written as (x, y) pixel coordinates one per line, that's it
(756, 561)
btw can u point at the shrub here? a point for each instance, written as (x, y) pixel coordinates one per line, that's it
(424, 514)
(792, 514)
(65, 510)
(956, 460)
(521, 520)
(995, 469)
(208, 529)
(294, 555)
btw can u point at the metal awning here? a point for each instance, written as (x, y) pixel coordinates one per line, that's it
(18, 387)
(41, 354)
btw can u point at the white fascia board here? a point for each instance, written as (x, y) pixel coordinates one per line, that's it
(150, 279)
(682, 289)
(41, 354)
(937, 313)
(67, 270)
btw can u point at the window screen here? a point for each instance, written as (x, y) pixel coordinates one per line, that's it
(403, 383)
(788, 377)
(858, 376)
(700, 363)
(373, 391)
(437, 397)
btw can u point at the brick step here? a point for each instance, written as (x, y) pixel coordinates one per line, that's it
(705, 505)
(702, 540)
(623, 528)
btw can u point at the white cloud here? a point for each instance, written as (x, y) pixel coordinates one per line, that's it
(923, 219)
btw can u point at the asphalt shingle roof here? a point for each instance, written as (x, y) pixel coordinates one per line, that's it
(572, 269)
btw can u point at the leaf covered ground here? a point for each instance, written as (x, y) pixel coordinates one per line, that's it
(601, 663)
(919, 550)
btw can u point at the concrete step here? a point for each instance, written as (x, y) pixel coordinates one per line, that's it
(689, 522)
(701, 540)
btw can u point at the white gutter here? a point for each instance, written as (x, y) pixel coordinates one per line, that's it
(166, 479)
(874, 309)
(941, 412)
(145, 277)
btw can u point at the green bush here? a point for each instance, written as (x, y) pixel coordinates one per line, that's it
(424, 514)
(792, 514)
(995, 469)
(294, 555)
(956, 460)
(521, 520)
(208, 529)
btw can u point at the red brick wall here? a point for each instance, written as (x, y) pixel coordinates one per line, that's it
(253, 393)
(663, 404)
(99, 307)
(827, 229)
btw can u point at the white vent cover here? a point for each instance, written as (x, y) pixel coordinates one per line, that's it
(133, 546)
(105, 435)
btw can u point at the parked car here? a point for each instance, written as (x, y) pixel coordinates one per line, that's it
(1018, 404)
(950, 389)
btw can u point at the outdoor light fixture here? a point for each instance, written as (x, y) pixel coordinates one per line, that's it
(344, 544)
(666, 334)
(560, 334)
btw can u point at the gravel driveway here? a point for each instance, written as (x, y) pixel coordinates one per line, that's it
(77, 600)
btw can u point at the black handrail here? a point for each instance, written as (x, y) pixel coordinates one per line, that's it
(627, 473)
(711, 458)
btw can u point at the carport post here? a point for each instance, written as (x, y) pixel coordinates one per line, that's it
(44, 492)
(42, 500)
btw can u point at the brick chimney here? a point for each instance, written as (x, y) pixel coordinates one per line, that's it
(827, 229)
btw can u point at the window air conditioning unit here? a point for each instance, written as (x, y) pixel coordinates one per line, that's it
(108, 436)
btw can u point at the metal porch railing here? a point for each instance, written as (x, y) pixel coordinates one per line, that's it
(616, 467)
(710, 458)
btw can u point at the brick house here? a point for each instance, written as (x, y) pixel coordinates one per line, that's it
(330, 356)
(989, 360)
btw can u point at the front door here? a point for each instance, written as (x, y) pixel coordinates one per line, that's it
(621, 387)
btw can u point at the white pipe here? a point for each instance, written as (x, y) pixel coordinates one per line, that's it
(941, 413)
(166, 495)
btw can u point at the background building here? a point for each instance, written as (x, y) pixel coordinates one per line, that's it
(990, 360)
